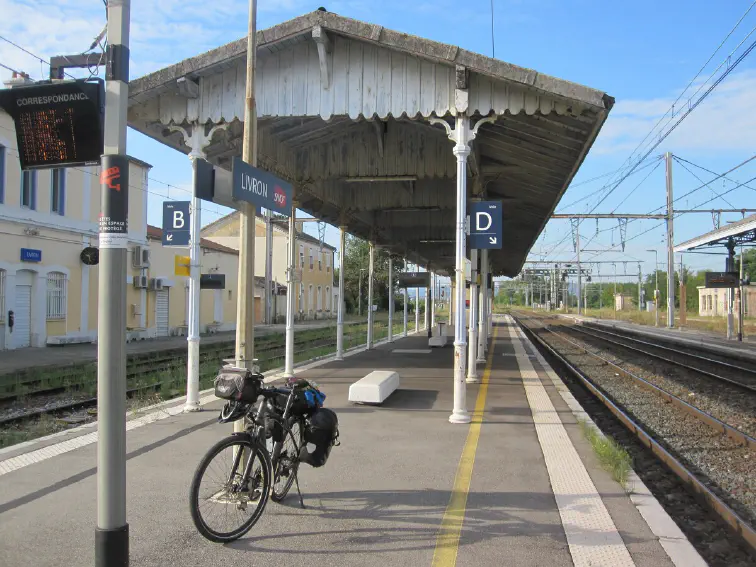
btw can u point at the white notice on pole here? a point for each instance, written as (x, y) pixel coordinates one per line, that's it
(114, 240)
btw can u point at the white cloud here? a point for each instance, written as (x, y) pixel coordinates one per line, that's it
(723, 122)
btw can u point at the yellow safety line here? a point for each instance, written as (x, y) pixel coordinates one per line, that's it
(447, 540)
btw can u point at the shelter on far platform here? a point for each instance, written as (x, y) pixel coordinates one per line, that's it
(740, 233)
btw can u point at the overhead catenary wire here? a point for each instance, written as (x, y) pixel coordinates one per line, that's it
(612, 186)
(37, 57)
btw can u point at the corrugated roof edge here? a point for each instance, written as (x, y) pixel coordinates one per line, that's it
(415, 45)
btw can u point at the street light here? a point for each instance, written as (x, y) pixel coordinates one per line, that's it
(656, 291)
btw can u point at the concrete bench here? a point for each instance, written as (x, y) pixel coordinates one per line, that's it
(439, 336)
(374, 388)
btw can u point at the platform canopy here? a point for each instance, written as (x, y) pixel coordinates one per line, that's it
(741, 233)
(344, 112)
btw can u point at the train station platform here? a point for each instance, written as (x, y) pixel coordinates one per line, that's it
(518, 486)
(689, 337)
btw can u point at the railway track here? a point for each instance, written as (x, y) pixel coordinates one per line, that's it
(271, 353)
(714, 462)
(738, 375)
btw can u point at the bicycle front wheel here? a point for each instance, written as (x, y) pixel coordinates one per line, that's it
(230, 488)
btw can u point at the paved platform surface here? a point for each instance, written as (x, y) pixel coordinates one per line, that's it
(405, 488)
(23, 359)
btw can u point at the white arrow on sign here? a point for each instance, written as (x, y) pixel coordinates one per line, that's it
(169, 237)
(492, 239)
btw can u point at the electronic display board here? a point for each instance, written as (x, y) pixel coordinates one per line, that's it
(57, 123)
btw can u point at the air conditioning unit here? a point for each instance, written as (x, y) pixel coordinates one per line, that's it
(141, 257)
(156, 284)
(136, 310)
(140, 282)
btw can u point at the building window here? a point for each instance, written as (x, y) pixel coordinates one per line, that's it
(58, 196)
(328, 298)
(56, 295)
(2, 173)
(301, 256)
(312, 262)
(29, 189)
(320, 298)
(320, 261)
(328, 262)
(301, 295)
(309, 299)
(2, 295)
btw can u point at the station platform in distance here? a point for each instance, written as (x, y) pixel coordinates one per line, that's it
(518, 486)
(684, 336)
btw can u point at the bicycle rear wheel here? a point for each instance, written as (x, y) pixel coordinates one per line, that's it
(286, 465)
(230, 488)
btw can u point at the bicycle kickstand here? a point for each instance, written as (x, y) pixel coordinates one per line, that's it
(301, 500)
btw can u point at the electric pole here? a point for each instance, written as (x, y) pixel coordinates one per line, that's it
(245, 311)
(112, 532)
(670, 247)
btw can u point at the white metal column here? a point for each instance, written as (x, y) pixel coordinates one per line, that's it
(427, 305)
(472, 351)
(433, 300)
(406, 301)
(193, 337)
(370, 298)
(340, 313)
(290, 293)
(417, 303)
(462, 135)
(483, 308)
(268, 302)
(391, 300)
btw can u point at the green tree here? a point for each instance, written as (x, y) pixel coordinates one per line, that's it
(356, 266)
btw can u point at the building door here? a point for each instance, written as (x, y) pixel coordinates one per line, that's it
(21, 336)
(161, 312)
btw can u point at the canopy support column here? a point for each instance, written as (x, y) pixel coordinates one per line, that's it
(290, 285)
(462, 135)
(391, 299)
(483, 319)
(370, 298)
(340, 311)
(472, 365)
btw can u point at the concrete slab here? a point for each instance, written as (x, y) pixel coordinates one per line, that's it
(379, 500)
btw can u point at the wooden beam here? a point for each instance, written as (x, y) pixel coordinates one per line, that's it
(187, 87)
(380, 134)
(324, 55)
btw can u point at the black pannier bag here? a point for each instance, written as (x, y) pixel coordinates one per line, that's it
(321, 430)
(238, 384)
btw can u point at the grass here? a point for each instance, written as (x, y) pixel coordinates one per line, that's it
(44, 425)
(612, 457)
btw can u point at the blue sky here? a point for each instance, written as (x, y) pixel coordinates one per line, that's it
(642, 53)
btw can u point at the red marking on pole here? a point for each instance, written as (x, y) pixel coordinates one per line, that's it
(109, 176)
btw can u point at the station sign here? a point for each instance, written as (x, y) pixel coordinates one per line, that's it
(31, 255)
(176, 225)
(57, 123)
(722, 279)
(181, 266)
(414, 279)
(485, 224)
(260, 188)
(243, 183)
(212, 281)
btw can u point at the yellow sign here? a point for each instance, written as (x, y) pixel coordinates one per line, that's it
(181, 265)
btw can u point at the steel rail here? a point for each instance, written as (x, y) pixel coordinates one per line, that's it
(671, 350)
(738, 524)
(718, 425)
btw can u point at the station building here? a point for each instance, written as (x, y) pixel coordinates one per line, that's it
(315, 297)
(49, 261)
